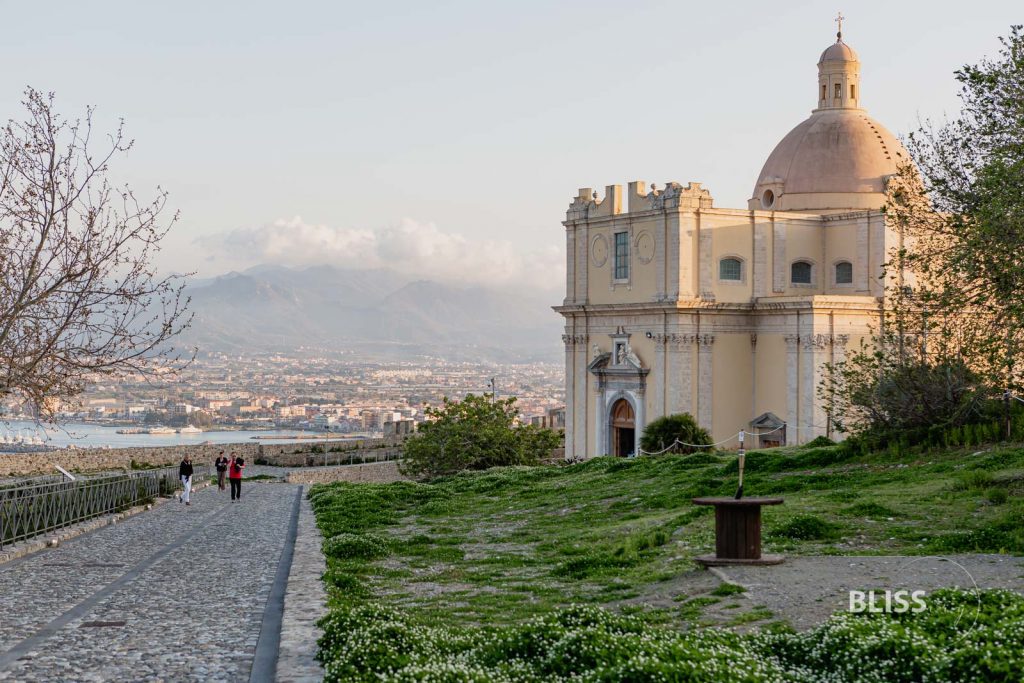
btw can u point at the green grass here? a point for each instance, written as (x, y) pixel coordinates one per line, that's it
(727, 589)
(503, 545)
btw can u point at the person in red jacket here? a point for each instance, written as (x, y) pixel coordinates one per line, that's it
(235, 476)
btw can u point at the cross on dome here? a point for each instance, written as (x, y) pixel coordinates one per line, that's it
(839, 20)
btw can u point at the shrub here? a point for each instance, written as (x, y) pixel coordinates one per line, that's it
(589, 644)
(671, 432)
(871, 510)
(596, 562)
(347, 583)
(806, 528)
(727, 589)
(996, 496)
(975, 479)
(347, 546)
(1006, 534)
(474, 434)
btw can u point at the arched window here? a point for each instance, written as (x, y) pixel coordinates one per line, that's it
(844, 273)
(800, 273)
(730, 269)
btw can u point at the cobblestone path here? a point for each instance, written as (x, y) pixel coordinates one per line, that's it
(174, 594)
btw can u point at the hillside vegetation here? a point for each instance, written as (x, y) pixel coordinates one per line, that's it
(516, 549)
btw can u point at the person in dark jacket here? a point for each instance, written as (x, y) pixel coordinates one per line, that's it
(185, 474)
(235, 476)
(222, 469)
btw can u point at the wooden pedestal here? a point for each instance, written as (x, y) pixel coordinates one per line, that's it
(738, 531)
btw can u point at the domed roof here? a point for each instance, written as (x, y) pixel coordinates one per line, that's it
(833, 151)
(838, 52)
(839, 158)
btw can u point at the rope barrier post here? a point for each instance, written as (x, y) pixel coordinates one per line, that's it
(739, 489)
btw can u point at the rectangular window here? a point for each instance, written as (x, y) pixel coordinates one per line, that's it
(853, 92)
(824, 92)
(622, 256)
(839, 90)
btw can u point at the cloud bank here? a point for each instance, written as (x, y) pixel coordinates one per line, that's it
(412, 248)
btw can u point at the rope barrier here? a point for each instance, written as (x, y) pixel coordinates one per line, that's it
(677, 442)
(663, 450)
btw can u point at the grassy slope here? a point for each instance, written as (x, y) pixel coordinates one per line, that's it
(496, 547)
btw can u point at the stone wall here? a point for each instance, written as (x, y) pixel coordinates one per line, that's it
(289, 454)
(374, 472)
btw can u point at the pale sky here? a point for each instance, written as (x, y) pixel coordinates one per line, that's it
(447, 138)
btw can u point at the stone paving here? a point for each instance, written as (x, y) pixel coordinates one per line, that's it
(175, 594)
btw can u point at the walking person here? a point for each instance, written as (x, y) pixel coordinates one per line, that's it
(222, 469)
(235, 476)
(185, 474)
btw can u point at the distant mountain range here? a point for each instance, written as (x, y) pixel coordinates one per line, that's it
(373, 313)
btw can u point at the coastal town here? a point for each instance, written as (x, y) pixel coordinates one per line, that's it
(322, 394)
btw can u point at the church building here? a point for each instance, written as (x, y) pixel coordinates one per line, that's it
(674, 305)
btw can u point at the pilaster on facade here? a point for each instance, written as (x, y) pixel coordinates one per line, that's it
(582, 262)
(779, 270)
(687, 275)
(570, 264)
(806, 359)
(681, 369)
(673, 256)
(811, 356)
(583, 379)
(759, 270)
(660, 369)
(879, 255)
(792, 389)
(861, 276)
(576, 387)
(705, 384)
(706, 265)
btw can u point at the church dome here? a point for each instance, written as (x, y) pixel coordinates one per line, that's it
(839, 158)
(839, 52)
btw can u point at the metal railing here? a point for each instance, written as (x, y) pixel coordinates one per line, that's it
(35, 508)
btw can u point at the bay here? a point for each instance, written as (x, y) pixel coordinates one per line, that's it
(82, 435)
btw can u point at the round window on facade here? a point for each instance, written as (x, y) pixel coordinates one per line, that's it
(768, 199)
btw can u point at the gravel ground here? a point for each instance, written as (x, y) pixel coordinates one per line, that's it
(174, 594)
(805, 590)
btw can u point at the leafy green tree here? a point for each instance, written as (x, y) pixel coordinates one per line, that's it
(672, 432)
(880, 387)
(952, 330)
(475, 433)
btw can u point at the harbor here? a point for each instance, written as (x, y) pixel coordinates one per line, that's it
(25, 436)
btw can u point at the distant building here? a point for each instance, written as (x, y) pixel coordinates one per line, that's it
(399, 428)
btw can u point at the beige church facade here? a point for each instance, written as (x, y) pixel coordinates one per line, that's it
(675, 305)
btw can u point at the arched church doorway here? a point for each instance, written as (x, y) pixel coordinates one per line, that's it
(623, 426)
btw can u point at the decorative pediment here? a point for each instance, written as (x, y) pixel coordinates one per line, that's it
(766, 421)
(630, 364)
